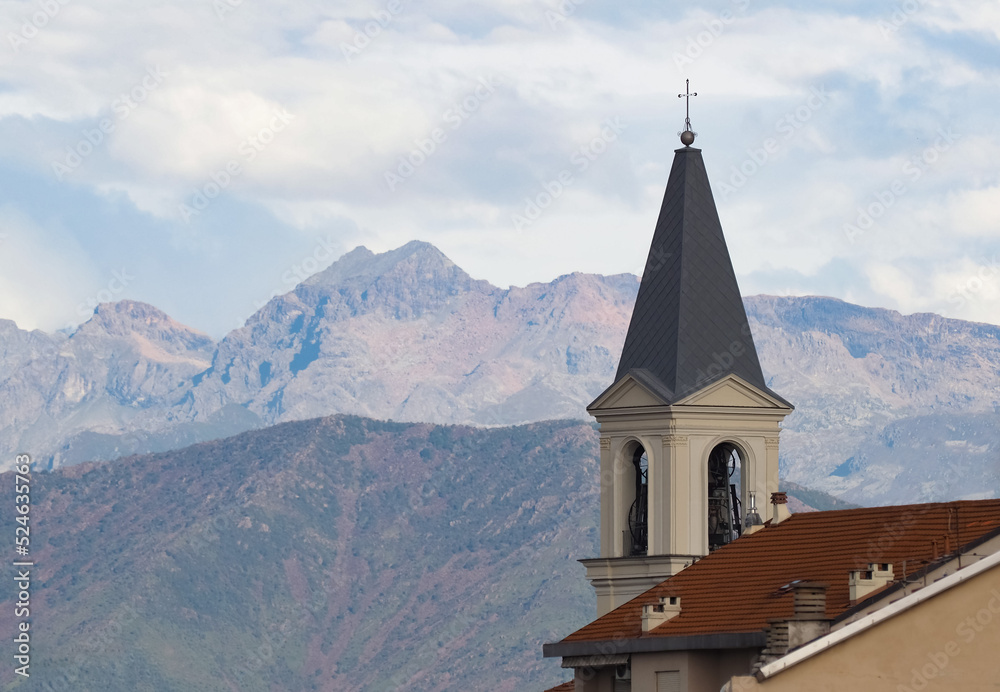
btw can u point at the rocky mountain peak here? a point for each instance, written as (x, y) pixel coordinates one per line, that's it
(401, 283)
(362, 266)
(131, 319)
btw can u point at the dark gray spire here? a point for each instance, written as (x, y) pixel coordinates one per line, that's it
(689, 327)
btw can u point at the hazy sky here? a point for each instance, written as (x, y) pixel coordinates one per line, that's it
(197, 154)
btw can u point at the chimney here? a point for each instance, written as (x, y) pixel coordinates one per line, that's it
(779, 507)
(808, 622)
(655, 614)
(864, 582)
(809, 599)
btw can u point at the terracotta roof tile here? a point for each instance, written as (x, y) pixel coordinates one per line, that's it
(565, 687)
(738, 588)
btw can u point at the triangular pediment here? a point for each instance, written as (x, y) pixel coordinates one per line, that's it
(628, 392)
(732, 391)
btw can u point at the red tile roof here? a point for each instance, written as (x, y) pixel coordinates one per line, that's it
(565, 687)
(738, 587)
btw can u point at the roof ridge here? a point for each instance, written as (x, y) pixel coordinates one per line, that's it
(928, 506)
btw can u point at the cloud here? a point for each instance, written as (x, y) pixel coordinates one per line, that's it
(975, 212)
(368, 88)
(972, 287)
(44, 281)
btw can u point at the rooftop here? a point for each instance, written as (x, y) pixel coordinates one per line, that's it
(737, 589)
(565, 687)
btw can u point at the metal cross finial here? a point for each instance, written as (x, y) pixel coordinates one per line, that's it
(687, 139)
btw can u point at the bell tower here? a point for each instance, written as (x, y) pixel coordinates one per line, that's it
(689, 428)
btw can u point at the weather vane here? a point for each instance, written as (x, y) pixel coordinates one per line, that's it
(687, 137)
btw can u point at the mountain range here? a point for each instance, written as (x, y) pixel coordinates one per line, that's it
(338, 553)
(331, 554)
(889, 408)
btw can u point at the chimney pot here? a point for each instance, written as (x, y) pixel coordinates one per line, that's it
(809, 598)
(779, 507)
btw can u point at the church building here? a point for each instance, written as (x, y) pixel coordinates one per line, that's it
(705, 581)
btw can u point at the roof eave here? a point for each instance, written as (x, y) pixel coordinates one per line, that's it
(641, 645)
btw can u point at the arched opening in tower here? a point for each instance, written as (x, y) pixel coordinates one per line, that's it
(637, 536)
(724, 467)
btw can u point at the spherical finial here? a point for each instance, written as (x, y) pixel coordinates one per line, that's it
(687, 138)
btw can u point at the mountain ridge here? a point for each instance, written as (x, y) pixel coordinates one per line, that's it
(333, 553)
(408, 335)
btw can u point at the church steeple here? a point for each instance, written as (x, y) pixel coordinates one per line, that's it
(689, 327)
(689, 428)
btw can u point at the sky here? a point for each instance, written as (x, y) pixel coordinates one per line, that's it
(204, 155)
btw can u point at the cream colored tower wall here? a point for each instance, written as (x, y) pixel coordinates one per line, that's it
(771, 475)
(618, 485)
(676, 482)
(677, 440)
(607, 496)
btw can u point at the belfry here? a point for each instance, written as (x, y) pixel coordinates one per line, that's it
(689, 428)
